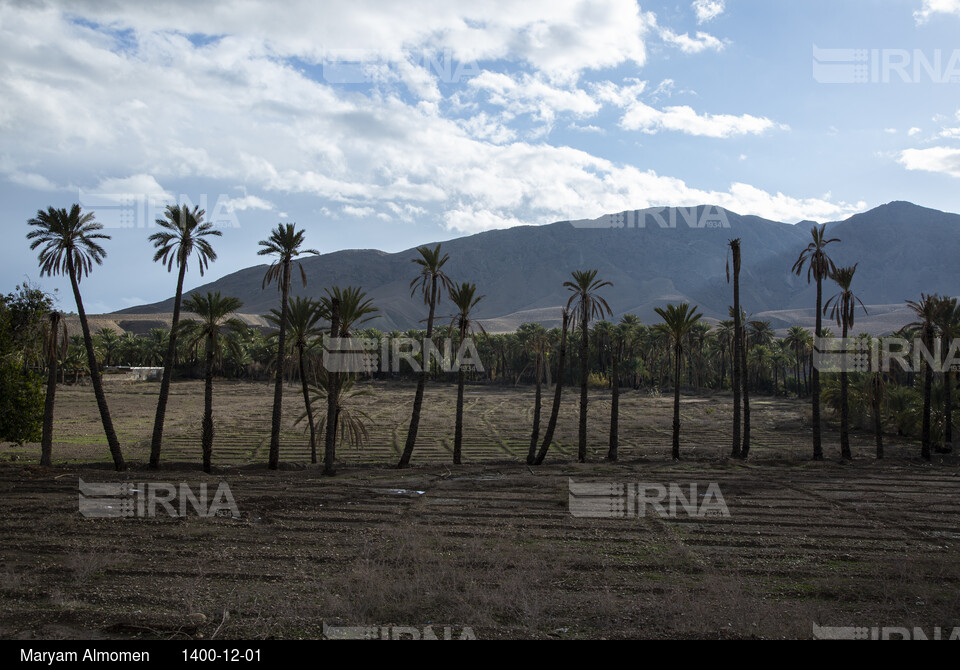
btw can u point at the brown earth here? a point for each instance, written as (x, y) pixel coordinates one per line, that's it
(491, 546)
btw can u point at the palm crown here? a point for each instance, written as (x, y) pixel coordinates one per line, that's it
(183, 231)
(67, 239)
(284, 242)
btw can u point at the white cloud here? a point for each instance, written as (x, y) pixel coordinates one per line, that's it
(640, 116)
(931, 7)
(934, 159)
(914, 131)
(707, 10)
(141, 186)
(350, 210)
(247, 202)
(692, 45)
(530, 94)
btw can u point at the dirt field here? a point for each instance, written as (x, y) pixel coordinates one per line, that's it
(491, 547)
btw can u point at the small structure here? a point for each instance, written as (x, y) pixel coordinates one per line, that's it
(136, 374)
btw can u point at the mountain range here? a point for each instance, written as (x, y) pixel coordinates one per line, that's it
(652, 257)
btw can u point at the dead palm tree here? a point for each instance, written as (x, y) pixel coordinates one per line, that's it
(70, 246)
(557, 391)
(678, 320)
(284, 243)
(428, 283)
(55, 344)
(303, 318)
(183, 233)
(214, 312)
(819, 267)
(586, 305)
(843, 309)
(925, 310)
(464, 297)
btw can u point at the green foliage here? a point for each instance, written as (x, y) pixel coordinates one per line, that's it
(21, 403)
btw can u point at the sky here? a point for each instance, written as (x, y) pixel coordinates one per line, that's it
(388, 125)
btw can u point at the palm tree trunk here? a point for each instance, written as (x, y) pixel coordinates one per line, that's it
(815, 378)
(458, 430)
(676, 407)
(46, 440)
(535, 434)
(614, 411)
(158, 420)
(927, 391)
(306, 401)
(333, 397)
(737, 344)
(207, 431)
(584, 352)
(278, 387)
(111, 434)
(745, 378)
(948, 413)
(558, 389)
(845, 453)
(877, 419)
(421, 384)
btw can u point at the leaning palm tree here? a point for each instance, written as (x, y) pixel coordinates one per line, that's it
(55, 345)
(303, 319)
(586, 305)
(214, 312)
(69, 245)
(557, 390)
(678, 320)
(464, 297)
(948, 323)
(429, 283)
(819, 267)
(284, 243)
(183, 233)
(925, 310)
(843, 309)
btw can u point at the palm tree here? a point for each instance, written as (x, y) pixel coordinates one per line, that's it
(677, 322)
(70, 246)
(284, 243)
(303, 317)
(55, 344)
(183, 233)
(948, 322)
(926, 310)
(843, 309)
(819, 267)
(586, 305)
(213, 311)
(109, 343)
(536, 340)
(557, 391)
(619, 339)
(428, 282)
(464, 298)
(797, 340)
(345, 309)
(738, 344)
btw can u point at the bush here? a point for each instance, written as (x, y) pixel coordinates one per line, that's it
(21, 404)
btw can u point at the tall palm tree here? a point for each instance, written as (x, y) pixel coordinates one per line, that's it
(557, 391)
(70, 246)
(678, 320)
(819, 267)
(926, 310)
(737, 344)
(843, 309)
(586, 305)
(214, 312)
(619, 340)
(428, 283)
(284, 243)
(183, 233)
(346, 309)
(464, 297)
(55, 344)
(303, 319)
(948, 323)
